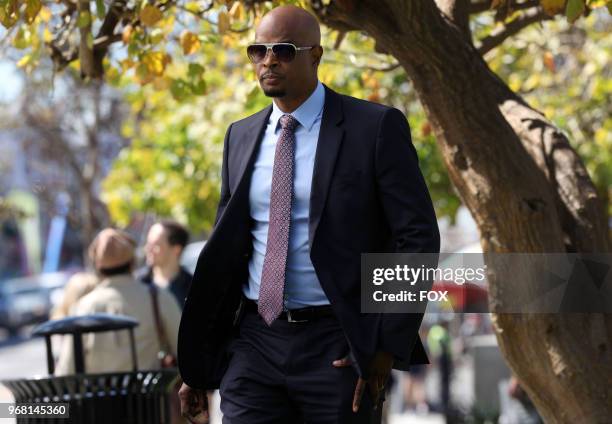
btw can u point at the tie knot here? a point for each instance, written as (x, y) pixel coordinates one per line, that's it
(288, 122)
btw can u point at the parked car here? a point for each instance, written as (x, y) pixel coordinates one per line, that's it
(29, 300)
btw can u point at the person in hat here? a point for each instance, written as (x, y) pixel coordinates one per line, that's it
(78, 286)
(112, 254)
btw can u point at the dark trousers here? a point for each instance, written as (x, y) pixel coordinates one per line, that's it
(284, 374)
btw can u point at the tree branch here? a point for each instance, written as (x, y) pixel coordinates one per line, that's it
(483, 6)
(497, 37)
(86, 54)
(388, 68)
(479, 7)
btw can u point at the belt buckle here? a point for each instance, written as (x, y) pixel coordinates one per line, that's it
(291, 319)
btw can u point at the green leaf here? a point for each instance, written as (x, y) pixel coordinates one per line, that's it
(20, 41)
(133, 49)
(32, 9)
(195, 70)
(84, 19)
(9, 13)
(199, 87)
(574, 9)
(179, 89)
(100, 9)
(90, 40)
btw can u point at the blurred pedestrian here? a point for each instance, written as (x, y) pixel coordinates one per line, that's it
(415, 397)
(112, 253)
(77, 286)
(439, 343)
(163, 249)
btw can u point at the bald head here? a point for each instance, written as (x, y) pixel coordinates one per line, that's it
(290, 79)
(294, 23)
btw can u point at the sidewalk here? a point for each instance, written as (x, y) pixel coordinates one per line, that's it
(6, 397)
(411, 418)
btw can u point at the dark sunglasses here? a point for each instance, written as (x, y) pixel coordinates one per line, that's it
(285, 52)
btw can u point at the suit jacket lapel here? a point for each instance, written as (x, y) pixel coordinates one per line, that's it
(328, 145)
(247, 145)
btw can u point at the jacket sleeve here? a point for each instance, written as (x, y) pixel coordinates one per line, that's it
(410, 214)
(65, 360)
(225, 192)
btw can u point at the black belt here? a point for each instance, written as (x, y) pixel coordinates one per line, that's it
(295, 315)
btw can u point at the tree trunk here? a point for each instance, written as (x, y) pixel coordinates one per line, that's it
(525, 186)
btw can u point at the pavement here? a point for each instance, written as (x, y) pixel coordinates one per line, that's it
(411, 418)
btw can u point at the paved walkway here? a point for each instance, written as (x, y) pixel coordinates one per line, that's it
(416, 419)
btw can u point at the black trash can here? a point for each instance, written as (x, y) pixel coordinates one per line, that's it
(139, 396)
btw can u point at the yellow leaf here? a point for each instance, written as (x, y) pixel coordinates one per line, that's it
(166, 24)
(156, 36)
(23, 61)
(155, 62)
(127, 64)
(193, 7)
(47, 36)
(189, 42)
(45, 14)
(552, 7)
(495, 4)
(150, 15)
(236, 11)
(549, 61)
(126, 34)
(112, 74)
(142, 74)
(223, 22)
(161, 83)
(574, 10)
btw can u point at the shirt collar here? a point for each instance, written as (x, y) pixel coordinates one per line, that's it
(306, 113)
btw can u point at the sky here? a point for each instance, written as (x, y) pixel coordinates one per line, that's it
(10, 82)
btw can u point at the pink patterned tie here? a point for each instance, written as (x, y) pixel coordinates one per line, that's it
(270, 303)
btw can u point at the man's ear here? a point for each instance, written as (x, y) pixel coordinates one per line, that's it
(318, 55)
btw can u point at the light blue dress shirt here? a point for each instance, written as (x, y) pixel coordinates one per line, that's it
(302, 287)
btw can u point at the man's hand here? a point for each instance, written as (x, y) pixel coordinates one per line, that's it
(380, 368)
(194, 405)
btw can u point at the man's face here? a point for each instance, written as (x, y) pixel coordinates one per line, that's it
(280, 79)
(157, 249)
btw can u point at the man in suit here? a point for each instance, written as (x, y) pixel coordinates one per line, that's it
(308, 183)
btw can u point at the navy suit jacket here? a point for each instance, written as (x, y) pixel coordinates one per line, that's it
(368, 195)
